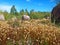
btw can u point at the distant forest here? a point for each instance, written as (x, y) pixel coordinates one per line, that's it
(33, 14)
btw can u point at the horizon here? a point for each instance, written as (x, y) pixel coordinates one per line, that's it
(37, 5)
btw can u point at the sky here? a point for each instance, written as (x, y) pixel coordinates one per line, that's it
(37, 5)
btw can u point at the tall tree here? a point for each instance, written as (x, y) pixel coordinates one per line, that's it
(32, 12)
(22, 12)
(26, 12)
(13, 10)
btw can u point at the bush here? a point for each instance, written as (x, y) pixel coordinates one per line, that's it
(39, 15)
(8, 17)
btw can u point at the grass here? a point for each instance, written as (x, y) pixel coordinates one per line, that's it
(33, 32)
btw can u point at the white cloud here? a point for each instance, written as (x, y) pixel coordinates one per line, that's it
(27, 0)
(5, 7)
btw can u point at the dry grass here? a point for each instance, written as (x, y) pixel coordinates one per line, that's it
(33, 32)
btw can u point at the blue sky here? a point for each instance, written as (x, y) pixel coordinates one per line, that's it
(37, 5)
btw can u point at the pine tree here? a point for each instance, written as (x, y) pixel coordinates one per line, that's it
(22, 12)
(13, 10)
(26, 12)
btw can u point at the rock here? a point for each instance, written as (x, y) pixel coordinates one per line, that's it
(2, 17)
(25, 17)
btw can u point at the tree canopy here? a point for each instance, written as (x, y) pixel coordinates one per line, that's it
(13, 10)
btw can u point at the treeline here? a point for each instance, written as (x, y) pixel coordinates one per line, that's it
(33, 14)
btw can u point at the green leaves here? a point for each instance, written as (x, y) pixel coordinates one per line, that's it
(13, 10)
